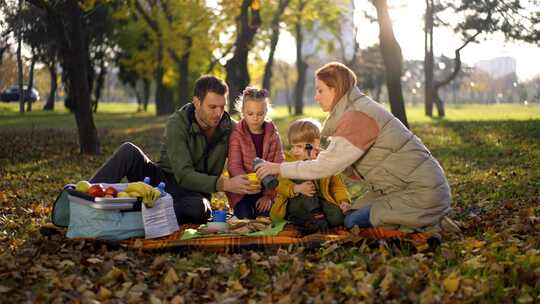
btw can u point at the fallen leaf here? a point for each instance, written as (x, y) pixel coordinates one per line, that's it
(154, 300)
(158, 262)
(94, 260)
(104, 293)
(170, 277)
(451, 283)
(4, 289)
(120, 257)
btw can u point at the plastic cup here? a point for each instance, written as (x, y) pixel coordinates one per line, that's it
(253, 178)
(219, 216)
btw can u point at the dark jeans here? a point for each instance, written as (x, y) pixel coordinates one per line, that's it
(359, 217)
(246, 208)
(130, 161)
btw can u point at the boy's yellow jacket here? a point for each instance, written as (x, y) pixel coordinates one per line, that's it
(331, 188)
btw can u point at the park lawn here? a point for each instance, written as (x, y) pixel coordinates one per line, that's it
(491, 156)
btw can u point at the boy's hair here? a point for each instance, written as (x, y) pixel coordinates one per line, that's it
(209, 83)
(304, 130)
(338, 76)
(252, 93)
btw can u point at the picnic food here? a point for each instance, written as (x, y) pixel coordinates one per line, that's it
(111, 191)
(83, 186)
(122, 194)
(148, 193)
(96, 190)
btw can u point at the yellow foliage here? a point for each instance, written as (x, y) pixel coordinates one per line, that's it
(451, 283)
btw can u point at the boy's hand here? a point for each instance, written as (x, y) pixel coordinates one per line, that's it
(306, 188)
(263, 204)
(345, 206)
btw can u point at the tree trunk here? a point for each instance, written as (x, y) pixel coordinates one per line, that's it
(76, 63)
(30, 85)
(437, 85)
(49, 105)
(164, 104)
(146, 94)
(392, 58)
(428, 59)
(19, 61)
(100, 81)
(267, 78)
(183, 71)
(237, 68)
(301, 65)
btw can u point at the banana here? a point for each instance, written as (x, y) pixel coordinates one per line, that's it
(148, 193)
(134, 194)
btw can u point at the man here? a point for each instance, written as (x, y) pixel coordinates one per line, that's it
(193, 154)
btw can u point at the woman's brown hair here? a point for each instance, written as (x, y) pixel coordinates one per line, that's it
(337, 76)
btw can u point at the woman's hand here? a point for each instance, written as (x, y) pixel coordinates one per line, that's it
(306, 188)
(263, 204)
(267, 168)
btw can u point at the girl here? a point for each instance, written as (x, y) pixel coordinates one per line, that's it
(254, 136)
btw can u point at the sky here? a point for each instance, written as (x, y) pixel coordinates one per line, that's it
(408, 28)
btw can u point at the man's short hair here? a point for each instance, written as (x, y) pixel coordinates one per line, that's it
(209, 83)
(304, 130)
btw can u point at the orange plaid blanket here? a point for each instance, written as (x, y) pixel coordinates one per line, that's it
(290, 235)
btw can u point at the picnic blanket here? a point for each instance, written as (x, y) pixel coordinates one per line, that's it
(289, 235)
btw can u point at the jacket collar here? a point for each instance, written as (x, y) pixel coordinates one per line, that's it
(341, 106)
(224, 126)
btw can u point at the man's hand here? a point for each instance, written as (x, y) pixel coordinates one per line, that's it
(263, 204)
(267, 168)
(240, 185)
(306, 188)
(345, 206)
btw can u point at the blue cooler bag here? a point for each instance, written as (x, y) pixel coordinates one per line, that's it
(98, 217)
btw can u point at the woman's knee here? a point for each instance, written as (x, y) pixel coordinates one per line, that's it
(358, 218)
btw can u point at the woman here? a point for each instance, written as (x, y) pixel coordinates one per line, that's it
(407, 187)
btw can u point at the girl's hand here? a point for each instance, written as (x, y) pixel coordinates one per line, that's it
(306, 188)
(263, 204)
(267, 168)
(345, 206)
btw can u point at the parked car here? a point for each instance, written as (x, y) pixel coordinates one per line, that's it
(12, 94)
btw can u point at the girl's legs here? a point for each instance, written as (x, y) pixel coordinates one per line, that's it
(359, 217)
(246, 208)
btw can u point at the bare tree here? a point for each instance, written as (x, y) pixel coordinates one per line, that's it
(276, 18)
(393, 59)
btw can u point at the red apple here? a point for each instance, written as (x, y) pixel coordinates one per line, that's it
(111, 191)
(96, 190)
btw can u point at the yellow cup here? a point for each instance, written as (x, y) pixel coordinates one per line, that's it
(252, 177)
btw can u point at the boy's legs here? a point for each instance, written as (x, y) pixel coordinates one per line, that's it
(303, 210)
(333, 214)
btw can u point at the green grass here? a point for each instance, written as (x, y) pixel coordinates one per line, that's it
(491, 155)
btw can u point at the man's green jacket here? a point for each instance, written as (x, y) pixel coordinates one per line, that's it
(195, 161)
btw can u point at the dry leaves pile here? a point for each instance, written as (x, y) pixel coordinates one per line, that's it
(493, 168)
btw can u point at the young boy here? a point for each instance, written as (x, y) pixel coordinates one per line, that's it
(313, 205)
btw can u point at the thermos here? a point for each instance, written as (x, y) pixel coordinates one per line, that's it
(270, 182)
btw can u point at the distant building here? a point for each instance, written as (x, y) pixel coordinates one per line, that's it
(497, 67)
